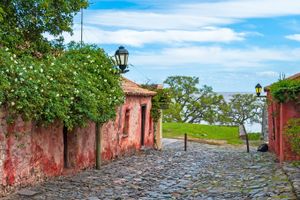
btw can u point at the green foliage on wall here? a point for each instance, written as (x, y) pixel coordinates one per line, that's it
(160, 101)
(74, 86)
(285, 90)
(292, 130)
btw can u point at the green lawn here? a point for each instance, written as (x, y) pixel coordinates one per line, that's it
(206, 132)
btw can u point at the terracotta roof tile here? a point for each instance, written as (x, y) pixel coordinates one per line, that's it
(131, 88)
(295, 77)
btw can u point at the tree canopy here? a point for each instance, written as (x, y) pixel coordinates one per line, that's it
(24, 23)
(243, 108)
(190, 103)
(44, 83)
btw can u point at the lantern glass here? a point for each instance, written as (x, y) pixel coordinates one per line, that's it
(121, 56)
(258, 89)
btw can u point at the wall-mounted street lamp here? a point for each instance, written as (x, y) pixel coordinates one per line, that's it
(258, 89)
(121, 57)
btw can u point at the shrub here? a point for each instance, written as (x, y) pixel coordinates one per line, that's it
(292, 130)
(74, 86)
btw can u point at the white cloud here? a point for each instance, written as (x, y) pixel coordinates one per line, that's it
(295, 37)
(191, 16)
(218, 57)
(140, 38)
(241, 9)
(268, 74)
(145, 20)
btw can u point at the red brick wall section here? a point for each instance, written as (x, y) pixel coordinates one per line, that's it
(278, 141)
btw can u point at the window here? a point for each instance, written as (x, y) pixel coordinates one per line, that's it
(126, 123)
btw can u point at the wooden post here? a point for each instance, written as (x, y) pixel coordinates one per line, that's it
(185, 142)
(247, 143)
(98, 145)
(247, 139)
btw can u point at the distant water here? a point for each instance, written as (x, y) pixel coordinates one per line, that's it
(256, 127)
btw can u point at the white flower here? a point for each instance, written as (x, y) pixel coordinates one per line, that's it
(57, 95)
(12, 103)
(52, 64)
(30, 67)
(105, 80)
(42, 70)
(42, 90)
(15, 56)
(6, 49)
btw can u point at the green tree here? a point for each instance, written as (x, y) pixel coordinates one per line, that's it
(191, 104)
(23, 23)
(242, 108)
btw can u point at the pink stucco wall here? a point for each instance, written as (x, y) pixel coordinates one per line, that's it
(115, 142)
(29, 153)
(278, 116)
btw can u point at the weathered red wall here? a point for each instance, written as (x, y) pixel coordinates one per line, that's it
(115, 142)
(29, 153)
(81, 145)
(278, 141)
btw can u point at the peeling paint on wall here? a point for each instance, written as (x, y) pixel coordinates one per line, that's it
(29, 153)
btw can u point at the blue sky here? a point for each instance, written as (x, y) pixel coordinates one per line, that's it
(230, 45)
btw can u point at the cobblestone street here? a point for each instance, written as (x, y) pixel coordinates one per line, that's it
(203, 172)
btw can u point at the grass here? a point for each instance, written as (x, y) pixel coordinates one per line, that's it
(205, 132)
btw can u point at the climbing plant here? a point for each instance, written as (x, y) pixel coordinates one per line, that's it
(285, 90)
(292, 130)
(73, 86)
(160, 101)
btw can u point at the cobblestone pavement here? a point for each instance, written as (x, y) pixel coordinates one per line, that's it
(203, 172)
(293, 172)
